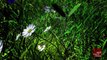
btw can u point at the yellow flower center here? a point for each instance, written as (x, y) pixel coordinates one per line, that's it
(29, 30)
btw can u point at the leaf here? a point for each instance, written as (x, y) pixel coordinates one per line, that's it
(69, 30)
(74, 9)
(104, 44)
(12, 21)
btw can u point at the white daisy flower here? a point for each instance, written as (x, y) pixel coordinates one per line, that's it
(48, 28)
(41, 47)
(1, 45)
(29, 30)
(17, 37)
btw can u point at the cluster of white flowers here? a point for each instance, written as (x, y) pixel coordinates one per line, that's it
(30, 29)
(28, 32)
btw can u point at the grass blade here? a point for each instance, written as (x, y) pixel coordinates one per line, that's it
(74, 9)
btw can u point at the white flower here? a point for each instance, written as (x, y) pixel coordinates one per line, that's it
(1, 45)
(17, 37)
(53, 10)
(41, 47)
(48, 28)
(29, 30)
(49, 9)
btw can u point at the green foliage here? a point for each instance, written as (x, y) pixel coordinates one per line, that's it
(69, 38)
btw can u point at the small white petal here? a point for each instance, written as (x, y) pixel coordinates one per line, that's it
(1, 45)
(41, 47)
(24, 33)
(25, 30)
(31, 26)
(32, 30)
(48, 28)
(17, 37)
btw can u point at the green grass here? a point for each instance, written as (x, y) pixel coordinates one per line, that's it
(70, 38)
